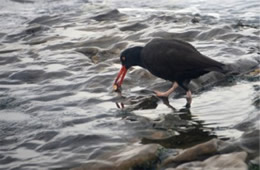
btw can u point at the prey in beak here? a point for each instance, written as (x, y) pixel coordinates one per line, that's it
(119, 79)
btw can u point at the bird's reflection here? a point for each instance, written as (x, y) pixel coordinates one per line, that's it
(190, 131)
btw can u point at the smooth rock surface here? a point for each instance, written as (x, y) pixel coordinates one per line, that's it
(195, 152)
(124, 159)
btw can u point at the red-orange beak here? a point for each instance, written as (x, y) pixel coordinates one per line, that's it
(120, 77)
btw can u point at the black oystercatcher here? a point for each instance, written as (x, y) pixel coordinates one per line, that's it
(169, 59)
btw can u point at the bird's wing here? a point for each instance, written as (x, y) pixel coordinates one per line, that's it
(178, 55)
(174, 56)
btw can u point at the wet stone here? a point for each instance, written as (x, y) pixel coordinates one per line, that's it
(194, 153)
(27, 75)
(88, 51)
(133, 27)
(140, 102)
(130, 157)
(110, 15)
(46, 20)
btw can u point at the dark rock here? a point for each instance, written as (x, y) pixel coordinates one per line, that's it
(181, 139)
(45, 135)
(134, 27)
(195, 20)
(88, 51)
(149, 102)
(8, 60)
(46, 20)
(23, 1)
(30, 32)
(27, 75)
(108, 16)
(250, 141)
(139, 103)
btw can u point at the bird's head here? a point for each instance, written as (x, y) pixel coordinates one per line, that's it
(129, 57)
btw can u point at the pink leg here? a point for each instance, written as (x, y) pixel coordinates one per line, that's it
(189, 98)
(168, 92)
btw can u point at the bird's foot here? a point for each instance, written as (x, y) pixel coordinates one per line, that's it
(187, 105)
(161, 94)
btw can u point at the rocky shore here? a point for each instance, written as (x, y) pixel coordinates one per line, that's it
(59, 59)
(174, 143)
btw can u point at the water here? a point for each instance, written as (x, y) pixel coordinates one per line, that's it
(57, 108)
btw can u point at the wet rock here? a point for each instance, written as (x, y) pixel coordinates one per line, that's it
(9, 60)
(133, 27)
(45, 135)
(180, 139)
(241, 23)
(206, 81)
(144, 102)
(27, 75)
(30, 32)
(250, 141)
(8, 51)
(234, 160)
(108, 16)
(195, 20)
(41, 40)
(130, 157)
(34, 28)
(6, 103)
(195, 152)
(213, 33)
(186, 36)
(102, 42)
(46, 20)
(239, 69)
(256, 100)
(137, 102)
(253, 76)
(88, 51)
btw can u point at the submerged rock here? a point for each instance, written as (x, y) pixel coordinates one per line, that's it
(130, 157)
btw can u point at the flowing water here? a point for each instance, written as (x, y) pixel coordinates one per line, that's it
(59, 58)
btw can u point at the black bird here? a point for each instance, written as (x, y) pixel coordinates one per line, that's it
(169, 59)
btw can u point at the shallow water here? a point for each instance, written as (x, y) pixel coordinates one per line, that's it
(59, 59)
